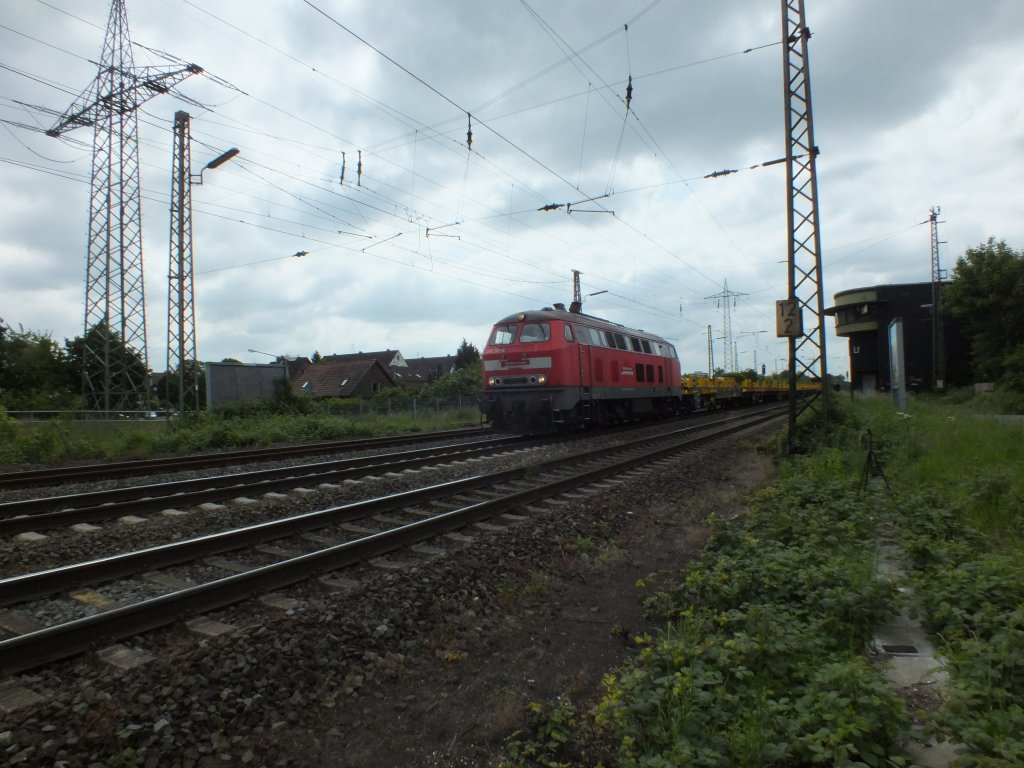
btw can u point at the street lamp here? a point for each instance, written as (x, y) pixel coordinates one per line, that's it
(181, 319)
(218, 161)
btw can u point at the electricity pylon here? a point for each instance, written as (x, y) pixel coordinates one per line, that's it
(806, 352)
(114, 358)
(727, 301)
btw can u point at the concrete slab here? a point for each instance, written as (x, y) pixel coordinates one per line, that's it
(132, 520)
(279, 602)
(275, 496)
(341, 584)
(17, 623)
(911, 659)
(300, 490)
(173, 512)
(460, 537)
(166, 580)
(228, 565)
(14, 697)
(282, 552)
(931, 754)
(423, 549)
(316, 538)
(122, 657)
(490, 527)
(95, 599)
(209, 506)
(209, 627)
(389, 565)
(513, 518)
(244, 501)
(85, 528)
(30, 536)
(353, 528)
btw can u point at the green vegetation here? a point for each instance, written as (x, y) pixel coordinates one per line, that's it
(244, 425)
(762, 659)
(987, 295)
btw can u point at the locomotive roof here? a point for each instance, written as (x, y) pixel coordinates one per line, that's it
(547, 313)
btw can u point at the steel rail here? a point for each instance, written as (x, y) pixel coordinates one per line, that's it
(54, 643)
(36, 514)
(15, 589)
(30, 478)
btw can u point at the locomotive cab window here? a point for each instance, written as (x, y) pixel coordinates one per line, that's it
(534, 332)
(568, 332)
(503, 334)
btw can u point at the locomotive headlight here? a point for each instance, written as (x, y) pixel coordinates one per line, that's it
(542, 379)
(492, 381)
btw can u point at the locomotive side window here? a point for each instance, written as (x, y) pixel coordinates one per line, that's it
(650, 372)
(640, 372)
(634, 342)
(661, 374)
(503, 334)
(567, 329)
(646, 345)
(620, 341)
(533, 332)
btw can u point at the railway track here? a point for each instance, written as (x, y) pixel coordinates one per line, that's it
(48, 512)
(52, 476)
(310, 544)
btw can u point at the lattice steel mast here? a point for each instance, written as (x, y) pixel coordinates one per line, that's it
(938, 339)
(727, 300)
(114, 358)
(806, 352)
(181, 319)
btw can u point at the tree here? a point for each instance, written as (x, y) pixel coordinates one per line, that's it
(34, 371)
(123, 359)
(987, 295)
(466, 355)
(465, 381)
(315, 357)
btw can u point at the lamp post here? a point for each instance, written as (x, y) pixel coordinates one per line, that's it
(181, 321)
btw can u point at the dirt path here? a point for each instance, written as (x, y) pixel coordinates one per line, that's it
(571, 622)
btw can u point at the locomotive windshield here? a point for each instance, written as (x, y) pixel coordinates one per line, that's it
(532, 332)
(503, 334)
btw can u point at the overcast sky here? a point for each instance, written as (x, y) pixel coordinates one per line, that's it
(917, 103)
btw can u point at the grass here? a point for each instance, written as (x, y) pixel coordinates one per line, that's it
(761, 659)
(61, 440)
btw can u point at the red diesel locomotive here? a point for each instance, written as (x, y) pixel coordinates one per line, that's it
(552, 369)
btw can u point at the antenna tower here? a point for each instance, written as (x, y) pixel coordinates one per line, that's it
(114, 362)
(807, 352)
(727, 300)
(938, 341)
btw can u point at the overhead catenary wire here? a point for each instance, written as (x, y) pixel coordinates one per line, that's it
(379, 210)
